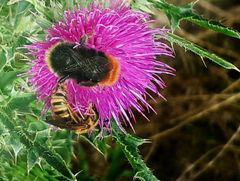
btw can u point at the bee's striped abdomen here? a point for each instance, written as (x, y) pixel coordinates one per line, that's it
(59, 104)
(63, 115)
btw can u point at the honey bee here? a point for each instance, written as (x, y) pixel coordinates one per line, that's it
(63, 115)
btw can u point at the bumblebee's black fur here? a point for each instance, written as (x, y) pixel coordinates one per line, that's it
(86, 66)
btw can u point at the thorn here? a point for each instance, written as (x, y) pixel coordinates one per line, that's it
(203, 62)
(235, 68)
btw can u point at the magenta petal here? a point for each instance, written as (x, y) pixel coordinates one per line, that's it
(118, 31)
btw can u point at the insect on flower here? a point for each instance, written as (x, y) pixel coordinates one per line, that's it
(64, 117)
(87, 66)
(106, 56)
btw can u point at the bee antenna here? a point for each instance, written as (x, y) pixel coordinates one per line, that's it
(81, 42)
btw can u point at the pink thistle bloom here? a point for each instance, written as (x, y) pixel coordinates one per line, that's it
(120, 32)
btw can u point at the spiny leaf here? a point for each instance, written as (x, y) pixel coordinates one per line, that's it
(21, 9)
(214, 25)
(176, 14)
(17, 171)
(203, 53)
(15, 144)
(43, 150)
(32, 159)
(142, 175)
(24, 24)
(99, 144)
(130, 148)
(50, 13)
(142, 5)
(7, 78)
(199, 20)
(18, 101)
(42, 136)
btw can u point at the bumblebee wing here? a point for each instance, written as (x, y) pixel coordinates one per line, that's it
(73, 66)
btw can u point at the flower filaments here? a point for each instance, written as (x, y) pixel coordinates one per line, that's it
(124, 36)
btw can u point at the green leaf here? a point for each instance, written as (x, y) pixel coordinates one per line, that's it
(40, 148)
(143, 175)
(142, 5)
(42, 22)
(70, 4)
(176, 14)
(15, 144)
(21, 9)
(99, 144)
(32, 159)
(55, 160)
(213, 25)
(7, 78)
(21, 102)
(11, 2)
(203, 53)
(3, 59)
(24, 24)
(130, 148)
(42, 136)
(114, 169)
(15, 172)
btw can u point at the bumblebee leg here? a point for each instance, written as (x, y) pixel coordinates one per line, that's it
(62, 79)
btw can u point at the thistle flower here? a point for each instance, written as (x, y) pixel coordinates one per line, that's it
(120, 32)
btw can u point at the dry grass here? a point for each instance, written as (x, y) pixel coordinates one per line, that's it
(195, 135)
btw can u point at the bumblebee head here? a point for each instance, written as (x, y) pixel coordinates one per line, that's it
(59, 58)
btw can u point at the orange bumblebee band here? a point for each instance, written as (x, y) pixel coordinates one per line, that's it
(114, 72)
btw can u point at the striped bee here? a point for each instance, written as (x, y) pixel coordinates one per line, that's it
(63, 115)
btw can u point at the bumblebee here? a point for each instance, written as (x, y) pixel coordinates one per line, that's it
(87, 66)
(63, 115)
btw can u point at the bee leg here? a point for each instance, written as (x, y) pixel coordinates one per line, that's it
(88, 83)
(62, 79)
(69, 122)
(92, 110)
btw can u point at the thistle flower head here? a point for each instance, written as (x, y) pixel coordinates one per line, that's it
(119, 32)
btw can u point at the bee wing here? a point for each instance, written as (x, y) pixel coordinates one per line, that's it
(58, 122)
(80, 128)
(72, 67)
